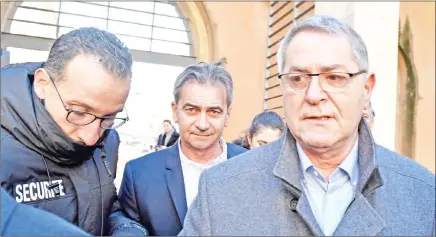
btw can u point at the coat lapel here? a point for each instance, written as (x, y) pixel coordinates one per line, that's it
(360, 218)
(175, 181)
(287, 169)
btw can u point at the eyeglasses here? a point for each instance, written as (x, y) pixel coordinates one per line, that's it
(328, 81)
(82, 118)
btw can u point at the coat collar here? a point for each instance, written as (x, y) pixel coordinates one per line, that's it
(370, 223)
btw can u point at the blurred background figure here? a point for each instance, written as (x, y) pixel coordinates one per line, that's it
(241, 140)
(265, 127)
(168, 137)
(368, 114)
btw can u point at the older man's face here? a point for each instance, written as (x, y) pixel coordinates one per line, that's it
(315, 117)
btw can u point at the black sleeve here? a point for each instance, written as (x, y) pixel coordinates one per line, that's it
(20, 220)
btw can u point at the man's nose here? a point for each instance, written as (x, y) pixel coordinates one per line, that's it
(315, 93)
(202, 122)
(89, 134)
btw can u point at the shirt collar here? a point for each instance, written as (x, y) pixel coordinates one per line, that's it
(220, 158)
(349, 165)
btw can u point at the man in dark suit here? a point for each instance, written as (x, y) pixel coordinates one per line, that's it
(158, 188)
(168, 137)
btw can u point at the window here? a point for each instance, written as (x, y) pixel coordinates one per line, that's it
(147, 26)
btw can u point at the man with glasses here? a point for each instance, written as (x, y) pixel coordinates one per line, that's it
(325, 175)
(59, 147)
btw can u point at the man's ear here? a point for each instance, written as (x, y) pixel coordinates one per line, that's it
(174, 108)
(41, 82)
(369, 87)
(229, 110)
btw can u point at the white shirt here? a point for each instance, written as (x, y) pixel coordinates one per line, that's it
(329, 200)
(192, 171)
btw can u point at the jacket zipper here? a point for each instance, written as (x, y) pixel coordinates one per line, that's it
(106, 164)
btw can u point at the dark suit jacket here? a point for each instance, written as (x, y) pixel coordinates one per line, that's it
(153, 191)
(161, 140)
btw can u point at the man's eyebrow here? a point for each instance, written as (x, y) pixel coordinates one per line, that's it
(196, 106)
(89, 108)
(323, 68)
(79, 103)
(298, 69)
(216, 107)
(189, 105)
(332, 67)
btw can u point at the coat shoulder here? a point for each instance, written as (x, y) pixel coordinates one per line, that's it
(403, 166)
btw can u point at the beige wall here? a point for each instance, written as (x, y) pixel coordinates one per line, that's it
(240, 34)
(422, 21)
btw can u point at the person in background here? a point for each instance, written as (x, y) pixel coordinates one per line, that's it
(241, 140)
(158, 188)
(369, 115)
(168, 137)
(265, 127)
(23, 220)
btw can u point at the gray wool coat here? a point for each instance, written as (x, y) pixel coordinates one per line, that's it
(259, 193)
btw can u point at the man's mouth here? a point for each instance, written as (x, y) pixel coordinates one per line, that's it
(201, 135)
(320, 118)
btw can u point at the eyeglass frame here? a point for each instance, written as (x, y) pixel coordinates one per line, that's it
(318, 74)
(70, 110)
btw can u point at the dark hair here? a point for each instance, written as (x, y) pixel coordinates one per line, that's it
(263, 120)
(168, 121)
(242, 142)
(110, 52)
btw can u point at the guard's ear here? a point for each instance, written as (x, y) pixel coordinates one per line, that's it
(41, 83)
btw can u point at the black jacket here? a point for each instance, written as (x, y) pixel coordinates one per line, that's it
(35, 151)
(173, 139)
(37, 222)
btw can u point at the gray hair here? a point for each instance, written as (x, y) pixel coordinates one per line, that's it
(329, 25)
(204, 73)
(109, 50)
